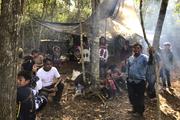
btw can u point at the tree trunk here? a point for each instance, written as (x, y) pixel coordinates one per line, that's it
(9, 32)
(53, 8)
(156, 41)
(160, 22)
(43, 17)
(95, 57)
(94, 37)
(94, 5)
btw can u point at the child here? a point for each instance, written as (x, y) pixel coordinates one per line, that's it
(118, 77)
(29, 85)
(109, 89)
(103, 56)
(25, 97)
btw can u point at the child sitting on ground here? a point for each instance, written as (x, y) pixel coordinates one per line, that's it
(109, 89)
(119, 77)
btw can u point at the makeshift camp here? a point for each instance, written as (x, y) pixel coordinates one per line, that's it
(116, 17)
(113, 18)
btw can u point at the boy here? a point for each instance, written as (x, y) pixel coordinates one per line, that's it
(47, 75)
(25, 97)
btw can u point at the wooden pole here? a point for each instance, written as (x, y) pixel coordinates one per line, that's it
(142, 24)
(81, 41)
(33, 36)
(105, 28)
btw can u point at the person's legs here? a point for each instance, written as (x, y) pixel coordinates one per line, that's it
(117, 87)
(102, 68)
(131, 95)
(163, 76)
(105, 92)
(167, 73)
(40, 102)
(151, 87)
(58, 95)
(139, 100)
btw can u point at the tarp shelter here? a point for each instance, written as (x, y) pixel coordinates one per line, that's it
(116, 17)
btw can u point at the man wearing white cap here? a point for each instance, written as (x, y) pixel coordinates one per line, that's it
(167, 62)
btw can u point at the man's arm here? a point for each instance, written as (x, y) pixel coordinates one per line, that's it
(58, 78)
(151, 59)
(171, 58)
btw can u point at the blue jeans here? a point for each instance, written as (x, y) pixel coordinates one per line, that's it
(165, 75)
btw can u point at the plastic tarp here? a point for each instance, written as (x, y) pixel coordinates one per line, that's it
(115, 17)
(60, 27)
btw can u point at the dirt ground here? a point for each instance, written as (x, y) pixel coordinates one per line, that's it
(170, 102)
(94, 109)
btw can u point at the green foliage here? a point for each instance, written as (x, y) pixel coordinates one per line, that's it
(58, 10)
(177, 10)
(50, 10)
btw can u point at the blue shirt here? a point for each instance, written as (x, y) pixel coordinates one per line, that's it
(137, 67)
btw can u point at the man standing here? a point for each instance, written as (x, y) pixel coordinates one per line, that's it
(137, 65)
(47, 75)
(166, 64)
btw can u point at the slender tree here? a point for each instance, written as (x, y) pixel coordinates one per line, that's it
(159, 26)
(94, 4)
(142, 23)
(9, 35)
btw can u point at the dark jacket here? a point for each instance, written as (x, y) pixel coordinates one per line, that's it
(25, 99)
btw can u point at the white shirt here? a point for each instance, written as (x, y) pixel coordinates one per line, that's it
(38, 87)
(47, 77)
(103, 54)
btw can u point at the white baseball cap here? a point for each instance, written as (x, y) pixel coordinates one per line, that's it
(167, 43)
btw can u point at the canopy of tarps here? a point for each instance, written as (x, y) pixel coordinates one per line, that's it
(115, 17)
(60, 27)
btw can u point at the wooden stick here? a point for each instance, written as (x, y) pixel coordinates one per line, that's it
(81, 41)
(142, 24)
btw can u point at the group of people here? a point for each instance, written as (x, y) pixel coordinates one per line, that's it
(36, 80)
(111, 75)
(140, 72)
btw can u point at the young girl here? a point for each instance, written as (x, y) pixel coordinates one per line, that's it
(109, 89)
